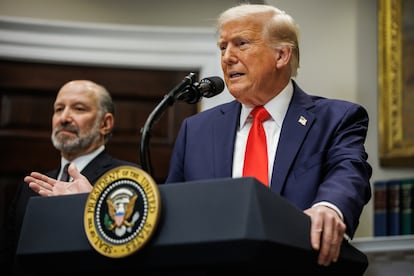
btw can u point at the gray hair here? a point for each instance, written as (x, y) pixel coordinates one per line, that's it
(106, 105)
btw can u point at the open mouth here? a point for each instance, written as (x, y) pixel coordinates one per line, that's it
(235, 75)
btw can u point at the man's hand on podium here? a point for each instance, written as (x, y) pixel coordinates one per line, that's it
(47, 186)
(327, 233)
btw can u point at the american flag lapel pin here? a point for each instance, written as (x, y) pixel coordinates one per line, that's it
(302, 120)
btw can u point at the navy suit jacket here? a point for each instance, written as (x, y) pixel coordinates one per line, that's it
(322, 159)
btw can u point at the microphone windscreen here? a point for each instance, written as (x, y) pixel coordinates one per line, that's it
(211, 86)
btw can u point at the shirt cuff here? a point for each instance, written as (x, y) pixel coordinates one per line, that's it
(330, 205)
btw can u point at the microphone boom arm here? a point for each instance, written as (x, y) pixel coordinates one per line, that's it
(167, 101)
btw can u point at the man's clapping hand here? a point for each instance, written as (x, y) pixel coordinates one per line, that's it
(47, 186)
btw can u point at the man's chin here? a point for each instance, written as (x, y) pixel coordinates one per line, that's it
(65, 145)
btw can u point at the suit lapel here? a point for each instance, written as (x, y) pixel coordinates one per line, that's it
(97, 167)
(296, 125)
(225, 126)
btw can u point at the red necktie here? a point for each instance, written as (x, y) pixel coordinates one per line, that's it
(255, 159)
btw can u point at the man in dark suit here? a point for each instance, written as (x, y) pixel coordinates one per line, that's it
(82, 123)
(315, 146)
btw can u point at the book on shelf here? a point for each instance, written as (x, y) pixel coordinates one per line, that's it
(380, 208)
(393, 207)
(406, 206)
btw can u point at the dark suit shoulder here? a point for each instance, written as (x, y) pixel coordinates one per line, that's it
(102, 163)
(337, 106)
(309, 100)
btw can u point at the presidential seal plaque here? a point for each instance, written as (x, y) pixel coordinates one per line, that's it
(122, 211)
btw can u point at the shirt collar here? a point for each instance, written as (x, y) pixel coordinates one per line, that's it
(277, 107)
(82, 161)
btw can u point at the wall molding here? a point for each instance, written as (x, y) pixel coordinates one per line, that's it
(112, 45)
(106, 44)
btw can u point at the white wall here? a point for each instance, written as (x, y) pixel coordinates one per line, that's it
(338, 47)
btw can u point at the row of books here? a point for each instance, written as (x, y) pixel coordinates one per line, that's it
(393, 207)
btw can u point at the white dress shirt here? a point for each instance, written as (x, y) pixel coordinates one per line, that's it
(277, 108)
(82, 161)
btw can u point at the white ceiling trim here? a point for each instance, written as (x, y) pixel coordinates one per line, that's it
(105, 44)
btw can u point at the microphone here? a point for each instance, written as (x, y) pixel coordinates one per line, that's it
(187, 90)
(207, 87)
(210, 87)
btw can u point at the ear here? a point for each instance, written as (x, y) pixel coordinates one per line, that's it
(283, 55)
(107, 123)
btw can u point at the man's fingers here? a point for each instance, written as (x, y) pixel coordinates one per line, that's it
(331, 241)
(44, 193)
(40, 183)
(325, 252)
(36, 184)
(316, 228)
(327, 233)
(43, 178)
(316, 236)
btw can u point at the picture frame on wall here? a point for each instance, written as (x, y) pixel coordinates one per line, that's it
(396, 83)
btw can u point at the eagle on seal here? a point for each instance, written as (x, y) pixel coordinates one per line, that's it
(121, 211)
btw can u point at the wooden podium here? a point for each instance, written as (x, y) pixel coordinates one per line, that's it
(206, 228)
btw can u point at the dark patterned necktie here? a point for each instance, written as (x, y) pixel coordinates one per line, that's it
(65, 175)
